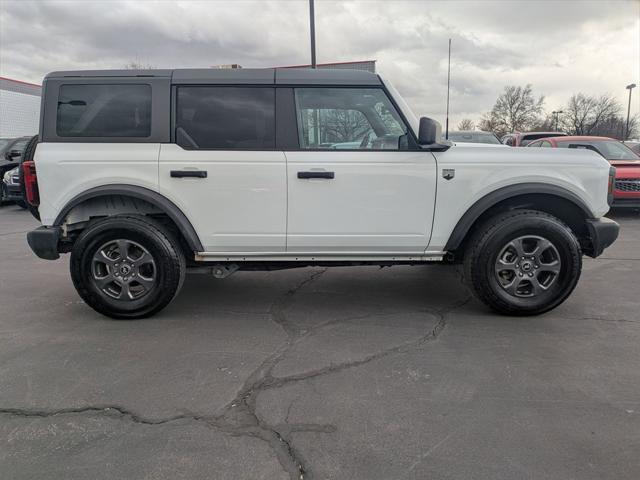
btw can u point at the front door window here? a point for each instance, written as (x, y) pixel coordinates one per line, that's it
(348, 119)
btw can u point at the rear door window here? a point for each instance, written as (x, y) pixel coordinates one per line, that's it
(226, 118)
(104, 110)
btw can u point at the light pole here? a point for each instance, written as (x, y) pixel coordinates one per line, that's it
(557, 114)
(312, 25)
(629, 87)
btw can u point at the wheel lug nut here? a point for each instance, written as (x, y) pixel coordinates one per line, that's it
(520, 274)
(531, 274)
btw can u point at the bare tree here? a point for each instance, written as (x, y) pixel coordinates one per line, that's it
(590, 115)
(546, 124)
(615, 127)
(336, 125)
(344, 125)
(135, 65)
(516, 109)
(466, 124)
(486, 125)
(634, 127)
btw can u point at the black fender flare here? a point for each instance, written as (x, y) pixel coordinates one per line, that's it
(161, 202)
(491, 199)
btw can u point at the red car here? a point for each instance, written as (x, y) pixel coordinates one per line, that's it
(627, 187)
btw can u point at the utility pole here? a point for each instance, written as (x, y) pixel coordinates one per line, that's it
(312, 24)
(557, 114)
(629, 87)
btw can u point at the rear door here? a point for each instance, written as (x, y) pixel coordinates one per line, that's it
(223, 170)
(357, 185)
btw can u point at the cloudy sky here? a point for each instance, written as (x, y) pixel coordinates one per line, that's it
(560, 47)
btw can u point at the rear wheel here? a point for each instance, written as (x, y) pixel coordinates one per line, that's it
(523, 262)
(127, 267)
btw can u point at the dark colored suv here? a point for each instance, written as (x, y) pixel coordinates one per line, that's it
(11, 150)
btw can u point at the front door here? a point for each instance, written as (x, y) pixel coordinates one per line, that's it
(223, 171)
(356, 185)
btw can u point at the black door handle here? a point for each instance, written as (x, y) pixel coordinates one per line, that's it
(328, 175)
(189, 173)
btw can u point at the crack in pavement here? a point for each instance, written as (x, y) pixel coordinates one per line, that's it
(239, 417)
(262, 379)
(236, 427)
(601, 319)
(97, 409)
(621, 259)
(13, 233)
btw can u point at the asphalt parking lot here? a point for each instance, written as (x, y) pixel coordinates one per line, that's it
(346, 373)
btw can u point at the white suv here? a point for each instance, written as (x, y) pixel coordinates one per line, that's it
(143, 175)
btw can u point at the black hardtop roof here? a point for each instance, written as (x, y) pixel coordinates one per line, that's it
(253, 76)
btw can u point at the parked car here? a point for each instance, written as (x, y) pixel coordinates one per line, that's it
(518, 139)
(11, 190)
(627, 183)
(11, 150)
(143, 175)
(474, 136)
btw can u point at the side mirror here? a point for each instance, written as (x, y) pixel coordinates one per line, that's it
(12, 154)
(430, 131)
(430, 135)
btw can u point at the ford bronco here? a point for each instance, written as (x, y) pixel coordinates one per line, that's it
(145, 175)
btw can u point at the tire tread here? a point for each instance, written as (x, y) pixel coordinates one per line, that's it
(175, 260)
(475, 254)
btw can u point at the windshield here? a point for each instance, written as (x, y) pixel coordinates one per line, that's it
(474, 137)
(530, 137)
(610, 149)
(3, 142)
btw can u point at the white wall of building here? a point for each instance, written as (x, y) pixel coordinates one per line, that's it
(19, 114)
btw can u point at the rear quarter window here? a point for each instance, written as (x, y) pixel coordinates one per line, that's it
(99, 110)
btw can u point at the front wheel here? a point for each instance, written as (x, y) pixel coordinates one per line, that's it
(127, 267)
(523, 262)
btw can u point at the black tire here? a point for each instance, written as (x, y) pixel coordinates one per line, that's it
(3, 195)
(27, 155)
(22, 204)
(515, 285)
(95, 277)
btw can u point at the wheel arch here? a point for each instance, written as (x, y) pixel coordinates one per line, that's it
(160, 202)
(557, 201)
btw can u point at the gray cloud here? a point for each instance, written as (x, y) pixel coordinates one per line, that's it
(560, 47)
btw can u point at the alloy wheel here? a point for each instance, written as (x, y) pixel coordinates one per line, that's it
(528, 266)
(123, 270)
